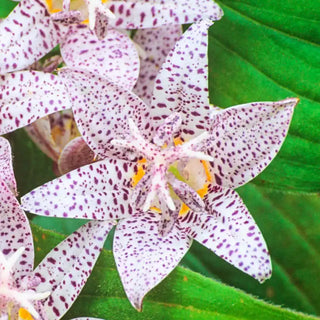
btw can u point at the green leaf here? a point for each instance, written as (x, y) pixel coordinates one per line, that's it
(269, 50)
(183, 295)
(290, 224)
(32, 167)
(6, 6)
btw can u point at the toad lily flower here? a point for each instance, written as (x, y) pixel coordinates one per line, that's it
(35, 27)
(168, 171)
(48, 291)
(26, 96)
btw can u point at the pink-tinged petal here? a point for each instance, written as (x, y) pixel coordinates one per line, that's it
(101, 110)
(26, 35)
(144, 14)
(15, 232)
(143, 257)
(29, 95)
(114, 57)
(246, 138)
(6, 168)
(65, 270)
(156, 44)
(182, 83)
(229, 230)
(98, 191)
(74, 155)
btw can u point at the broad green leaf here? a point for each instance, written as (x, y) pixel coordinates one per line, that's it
(5, 7)
(269, 50)
(32, 167)
(291, 226)
(184, 294)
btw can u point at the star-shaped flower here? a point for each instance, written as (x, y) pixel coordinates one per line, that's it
(62, 274)
(48, 291)
(35, 26)
(169, 170)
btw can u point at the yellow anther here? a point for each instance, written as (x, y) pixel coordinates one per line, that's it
(177, 141)
(184, 209)
(206, 170)
(140, 173)
(24, 314)
(54, 6)
(155, 209)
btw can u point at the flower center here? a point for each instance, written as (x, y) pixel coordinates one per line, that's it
(16, 301)
(164, 172)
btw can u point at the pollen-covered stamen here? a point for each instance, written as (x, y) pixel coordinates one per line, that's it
(188, 196)
(165, 132)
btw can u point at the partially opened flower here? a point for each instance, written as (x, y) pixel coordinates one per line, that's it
(169, 170)
(35, 27)
(58, 137)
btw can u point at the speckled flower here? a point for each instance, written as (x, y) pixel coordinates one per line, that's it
(169, 170)
(26, 96)
(47, 292)
(35, 27)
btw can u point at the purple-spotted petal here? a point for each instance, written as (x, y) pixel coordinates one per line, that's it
(29, 95)
(15, 232)
(74, 155)
(114, 57)
(150, 14)
(246, 138)
(6, 168)
(182, 84)
(156, 44)
(229, 230)
(65, 270)
(143, 257)
(98, 191)
(101, 110)
(26, 35)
